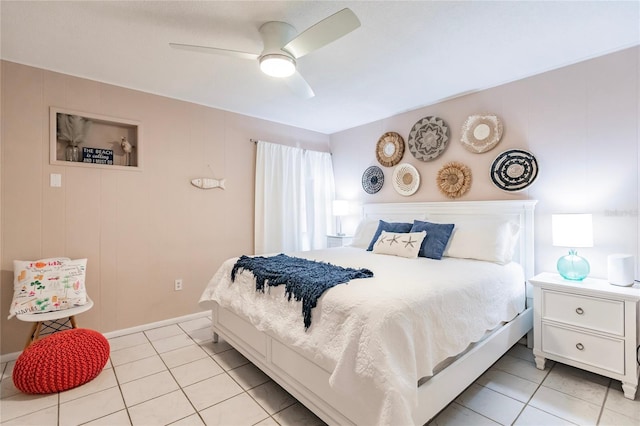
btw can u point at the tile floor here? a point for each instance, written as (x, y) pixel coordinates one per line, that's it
(176, 375)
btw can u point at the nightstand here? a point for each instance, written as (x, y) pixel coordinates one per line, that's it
(338, 240)
(588, 324)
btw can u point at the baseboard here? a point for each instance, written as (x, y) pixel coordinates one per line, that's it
(157, 324)
(117, 333)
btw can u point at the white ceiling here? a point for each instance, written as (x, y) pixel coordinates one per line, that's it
(404, 56)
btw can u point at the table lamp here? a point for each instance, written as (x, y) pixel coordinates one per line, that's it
(573, 231)
(340, 208)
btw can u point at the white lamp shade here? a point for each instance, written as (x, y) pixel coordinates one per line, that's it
(340, 207)
(572, 230)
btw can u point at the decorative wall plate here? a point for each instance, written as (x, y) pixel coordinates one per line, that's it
(390, 149)
(372, 179)
(480, 133)
(406, 179)
(428, 138)
(514, 170)
(454, 179)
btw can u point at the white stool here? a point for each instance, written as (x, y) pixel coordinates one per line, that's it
(53, 319)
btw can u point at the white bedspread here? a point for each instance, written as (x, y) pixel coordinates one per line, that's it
(378, 336)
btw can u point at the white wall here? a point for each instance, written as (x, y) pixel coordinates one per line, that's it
(140, 230)
(582, 124)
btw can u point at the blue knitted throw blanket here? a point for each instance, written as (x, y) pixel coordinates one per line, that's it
(304, 279)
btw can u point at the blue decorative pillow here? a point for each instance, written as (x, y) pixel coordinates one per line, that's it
(398, 227)
(438, 235)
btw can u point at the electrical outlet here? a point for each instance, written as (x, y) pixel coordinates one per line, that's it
(177, 284)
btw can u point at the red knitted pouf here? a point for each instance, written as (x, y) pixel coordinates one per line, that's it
(61, 361)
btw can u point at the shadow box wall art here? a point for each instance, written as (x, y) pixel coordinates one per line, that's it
(82, 139)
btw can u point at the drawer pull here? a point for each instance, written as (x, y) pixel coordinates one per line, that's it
(579, 311)
(580, 346)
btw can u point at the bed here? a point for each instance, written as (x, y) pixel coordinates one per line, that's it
(395, 348)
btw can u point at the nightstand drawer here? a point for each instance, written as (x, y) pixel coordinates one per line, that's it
(589, 349)
(587, 312)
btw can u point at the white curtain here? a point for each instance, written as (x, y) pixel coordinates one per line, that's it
(294, 192)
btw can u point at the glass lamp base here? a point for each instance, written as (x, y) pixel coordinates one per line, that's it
(573, 267)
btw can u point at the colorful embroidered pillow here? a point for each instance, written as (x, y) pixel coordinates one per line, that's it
(47, 285)
(405, 244)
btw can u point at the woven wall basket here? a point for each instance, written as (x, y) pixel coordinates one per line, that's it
(390, 149)
(454, 179)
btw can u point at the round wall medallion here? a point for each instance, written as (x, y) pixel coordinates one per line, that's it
(454, 179)
(390, 149)
(480, 133)
(406, 179)
(514, 170)
(372, 179)
(428, 138)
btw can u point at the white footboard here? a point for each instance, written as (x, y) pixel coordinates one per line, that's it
(303, 379)
(309, 383)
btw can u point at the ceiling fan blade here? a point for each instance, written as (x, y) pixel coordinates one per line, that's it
(215, 51)
(299, 86)
(324, 32)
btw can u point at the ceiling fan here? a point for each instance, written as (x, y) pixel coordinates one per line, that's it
(282, 46)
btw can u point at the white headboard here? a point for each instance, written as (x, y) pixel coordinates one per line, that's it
(518, 211)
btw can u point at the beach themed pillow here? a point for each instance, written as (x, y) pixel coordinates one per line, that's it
(405, 244)
(47, 285)
(389, 227)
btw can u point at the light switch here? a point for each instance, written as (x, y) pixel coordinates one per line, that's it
(55, 180)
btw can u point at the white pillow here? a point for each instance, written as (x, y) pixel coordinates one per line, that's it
(47, 285)
(483, 239)
(399, 244)
(364, 233)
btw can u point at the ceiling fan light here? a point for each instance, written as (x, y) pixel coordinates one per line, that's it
(277, 65)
